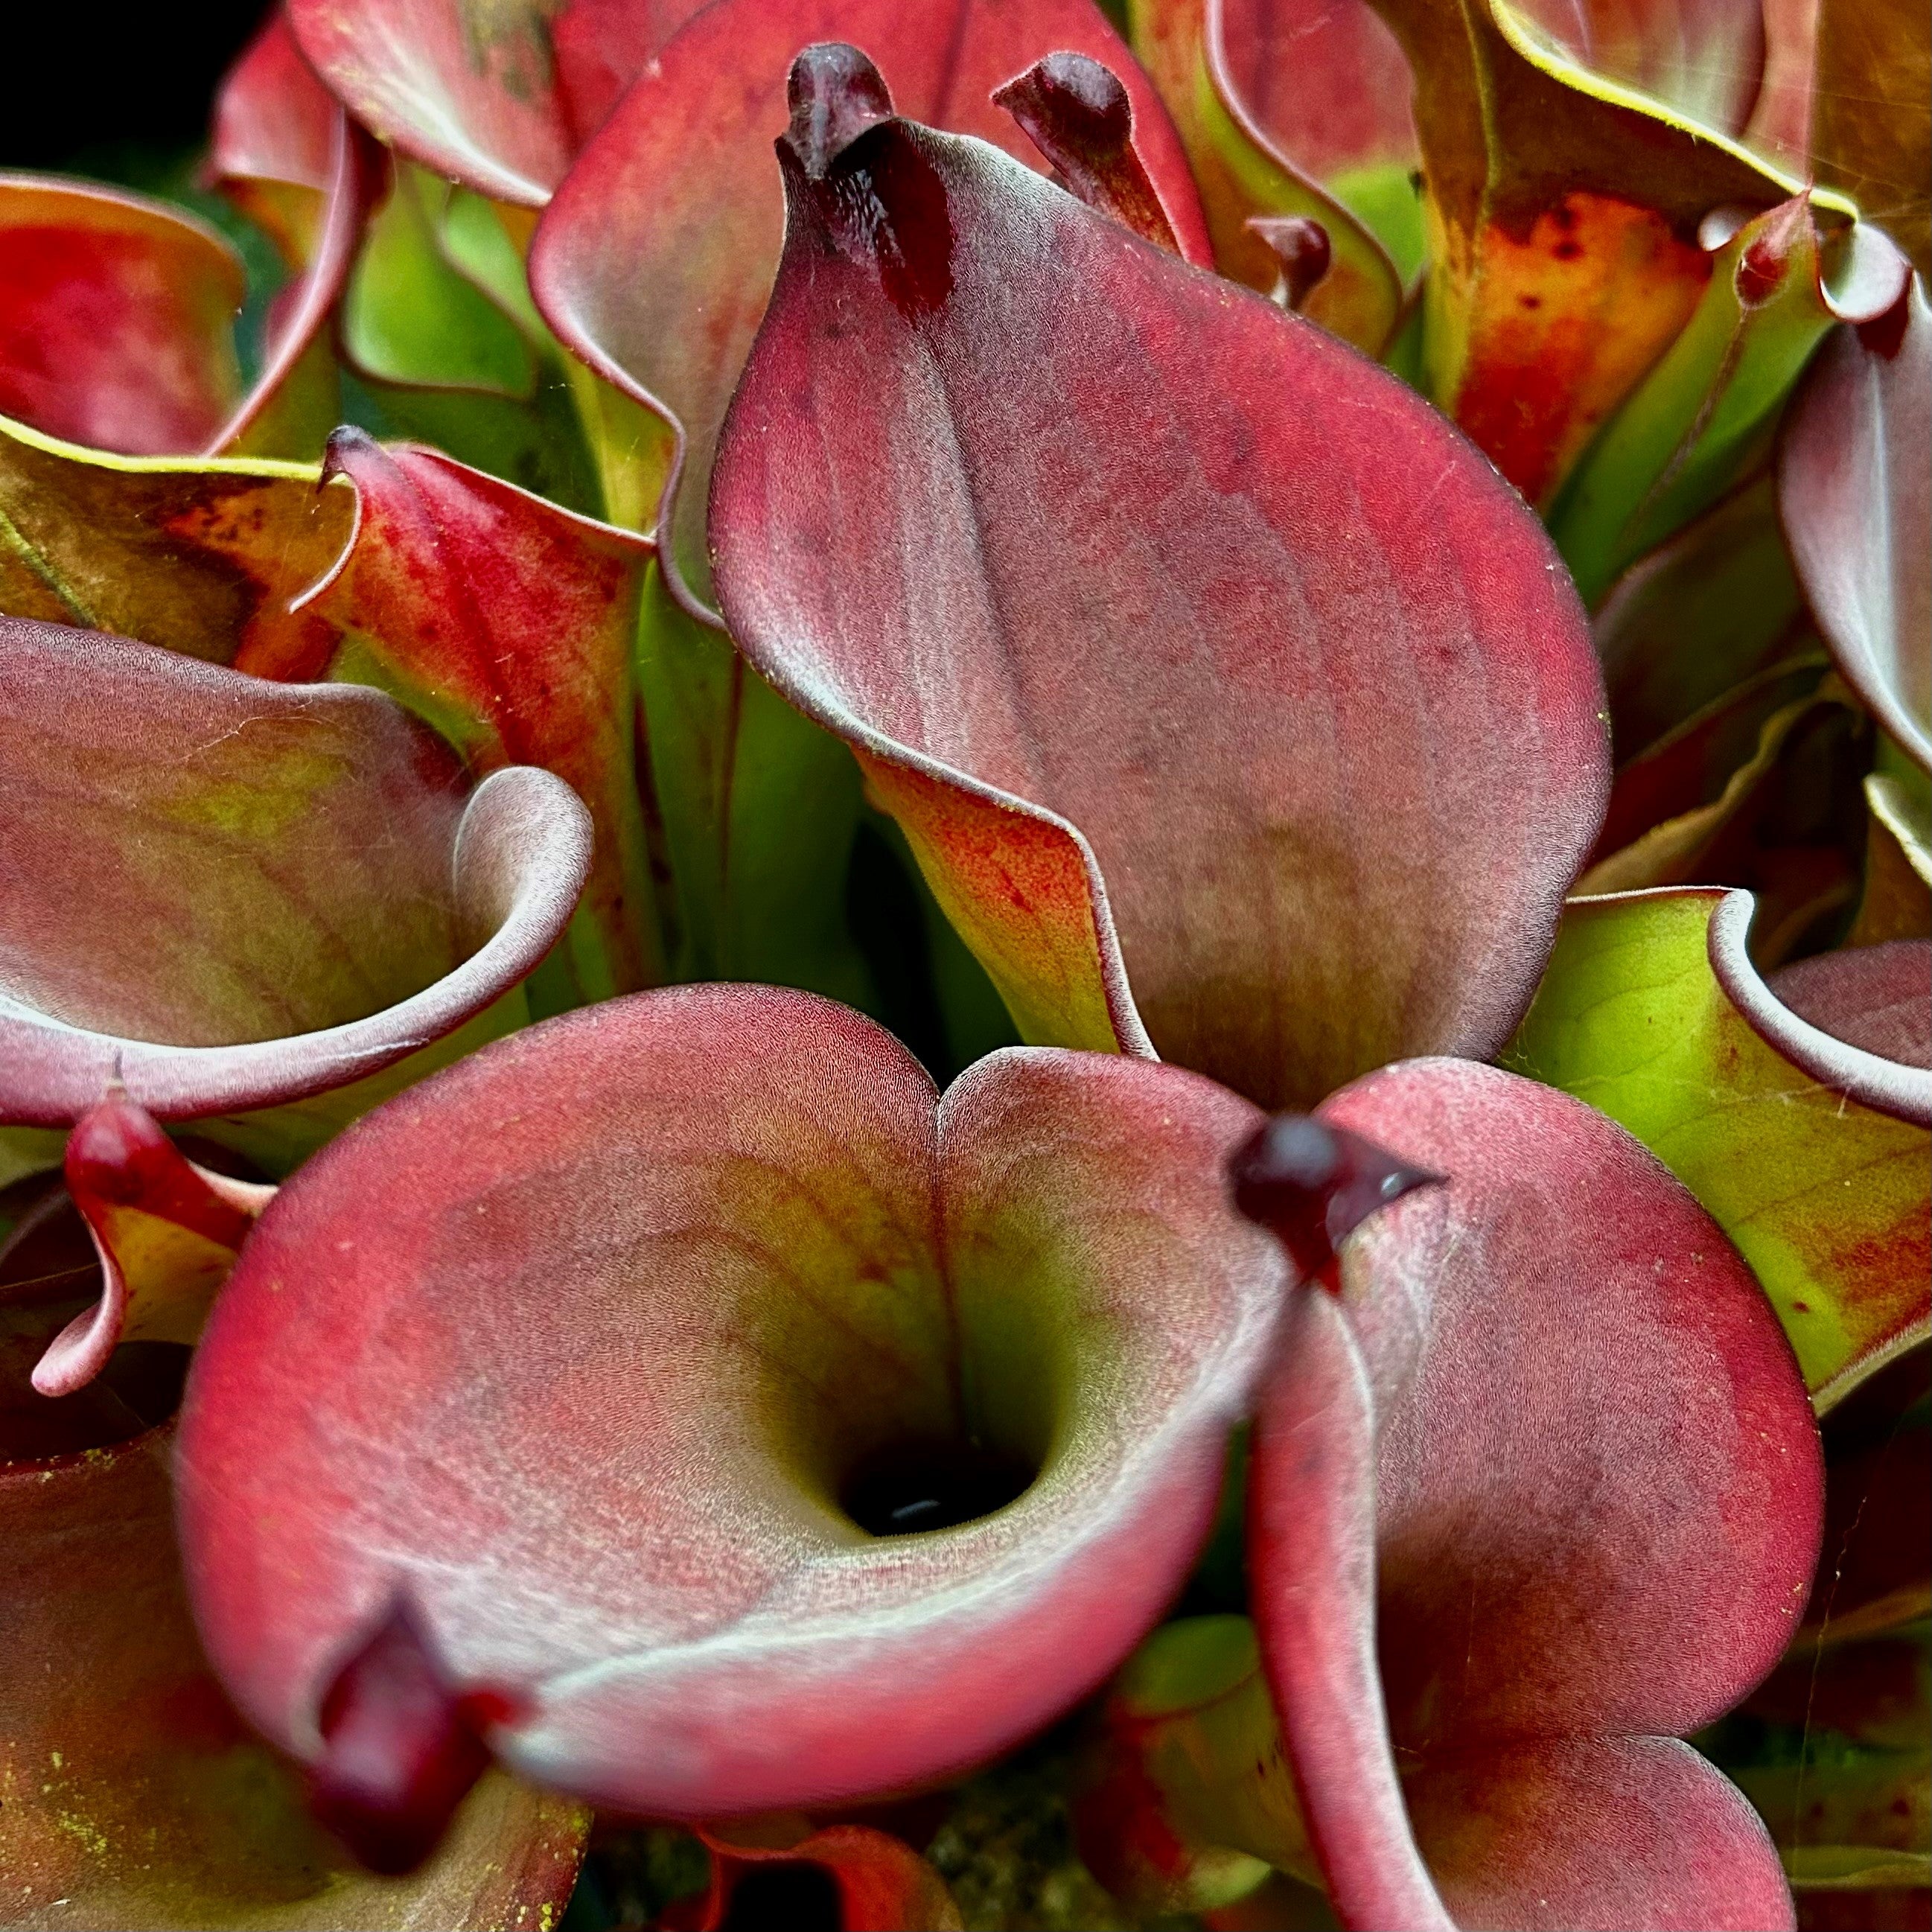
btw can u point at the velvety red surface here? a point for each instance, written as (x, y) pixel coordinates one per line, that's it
(274, 120)
(1856, 502)
(1324, 80)
(228, 891)
(1539, 1492)
(116, 315)
(1878, 998)
(655, 261)
(1013, 499)
(577, 1344)
(515, 621)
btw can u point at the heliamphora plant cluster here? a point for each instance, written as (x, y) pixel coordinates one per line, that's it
(931, 901)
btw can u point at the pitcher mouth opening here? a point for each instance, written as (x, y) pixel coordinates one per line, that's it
(968, 1428)
(901, 1488)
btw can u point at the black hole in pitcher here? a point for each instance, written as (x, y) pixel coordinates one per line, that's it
(900, 1491)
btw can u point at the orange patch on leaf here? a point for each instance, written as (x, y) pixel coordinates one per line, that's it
(1883, 1270)
(1014, 885)
(1565, 321)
